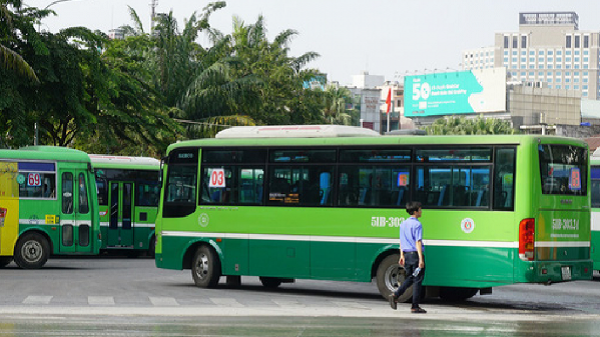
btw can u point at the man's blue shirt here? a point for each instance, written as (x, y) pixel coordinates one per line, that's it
(411, 231)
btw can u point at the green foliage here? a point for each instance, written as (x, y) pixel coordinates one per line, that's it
(451, 125)
(137, 95)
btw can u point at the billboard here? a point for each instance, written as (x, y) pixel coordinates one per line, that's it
(439, 94)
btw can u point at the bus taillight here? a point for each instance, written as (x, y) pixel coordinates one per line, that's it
(2, 216)
(526, 239)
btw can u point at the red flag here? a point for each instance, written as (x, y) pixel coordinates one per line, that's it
(388, 101)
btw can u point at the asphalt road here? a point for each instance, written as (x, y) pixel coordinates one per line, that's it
(119, 296)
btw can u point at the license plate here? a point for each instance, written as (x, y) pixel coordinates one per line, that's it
(566, 273)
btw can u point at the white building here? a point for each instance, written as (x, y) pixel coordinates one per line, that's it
(550, 51)
(481, 58)
(366, 81)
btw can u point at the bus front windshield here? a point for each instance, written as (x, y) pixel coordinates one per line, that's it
(563, 169)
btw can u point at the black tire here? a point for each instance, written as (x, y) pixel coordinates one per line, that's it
(5, 260)
(270, 282)
(453, 294)
(206, 268)
(389, 277)
(32, 251)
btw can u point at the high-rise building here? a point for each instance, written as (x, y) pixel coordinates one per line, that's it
(549, 51)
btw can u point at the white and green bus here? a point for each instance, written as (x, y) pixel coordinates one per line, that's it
(326, 203)
(128, 191)
(595, 222)
(47, 205)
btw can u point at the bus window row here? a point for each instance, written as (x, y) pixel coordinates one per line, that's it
(443, 186)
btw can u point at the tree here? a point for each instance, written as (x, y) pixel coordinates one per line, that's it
(283, 100)
(17, 31)
(451, 125)
(197, 82)
(14, 28)
(337, 100)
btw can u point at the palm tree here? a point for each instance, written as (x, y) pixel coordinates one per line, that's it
(9, 59)
(336, 101)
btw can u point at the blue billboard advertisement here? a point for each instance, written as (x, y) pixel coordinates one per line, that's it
(458, 92)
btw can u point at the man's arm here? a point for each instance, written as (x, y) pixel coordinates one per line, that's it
(420, 252)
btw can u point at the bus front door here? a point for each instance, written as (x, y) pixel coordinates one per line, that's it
(75, 217)
(120, 229)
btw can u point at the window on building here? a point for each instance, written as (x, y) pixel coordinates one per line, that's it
(524, 41)
(514, 42)
(577, 40)
(505, 41)
(586, 41)
(568, 41)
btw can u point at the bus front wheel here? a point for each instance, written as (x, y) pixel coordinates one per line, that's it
(32, 251)
(389, 276)
(206, 267)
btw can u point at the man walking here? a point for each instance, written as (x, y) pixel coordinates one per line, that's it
(411, 257)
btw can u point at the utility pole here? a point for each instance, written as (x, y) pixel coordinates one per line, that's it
(153, 5)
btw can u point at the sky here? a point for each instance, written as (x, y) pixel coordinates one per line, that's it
(381, 37)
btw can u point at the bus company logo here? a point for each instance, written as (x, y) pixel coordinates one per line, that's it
(20, 179)
(203, 220)
(467, 225)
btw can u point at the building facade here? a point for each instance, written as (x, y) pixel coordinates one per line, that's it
(481, 58)
(549, 51)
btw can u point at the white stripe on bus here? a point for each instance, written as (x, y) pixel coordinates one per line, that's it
(135, 224)
(349, 239)
(62, 222)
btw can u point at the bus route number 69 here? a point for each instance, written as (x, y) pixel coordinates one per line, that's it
(217, 178)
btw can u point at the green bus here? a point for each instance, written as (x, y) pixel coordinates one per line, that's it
(595, 221)
(326, 202)
(47, 205)
(128, 191)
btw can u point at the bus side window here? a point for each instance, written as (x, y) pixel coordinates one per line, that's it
(67, 193)
(504, 170)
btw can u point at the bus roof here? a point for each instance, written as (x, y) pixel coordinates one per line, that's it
(383, 140)
(106, 161)
(43, 152)
(296, 131)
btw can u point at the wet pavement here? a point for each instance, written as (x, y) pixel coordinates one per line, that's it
(267, 326)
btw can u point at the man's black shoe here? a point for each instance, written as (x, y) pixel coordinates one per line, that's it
(393, 301)
(418, 310)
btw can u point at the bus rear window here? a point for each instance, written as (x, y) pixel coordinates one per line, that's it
(563, 169)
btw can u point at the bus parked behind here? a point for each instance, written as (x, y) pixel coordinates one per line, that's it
(47, 205)
(128, 192)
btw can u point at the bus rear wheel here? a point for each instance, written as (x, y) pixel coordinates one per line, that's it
(390, 276)
(5, 260)
(32, 251)
(206, 267)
